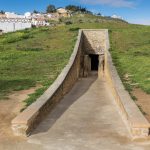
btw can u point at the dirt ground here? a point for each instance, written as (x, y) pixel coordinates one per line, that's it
(143, 100)
(10, 108)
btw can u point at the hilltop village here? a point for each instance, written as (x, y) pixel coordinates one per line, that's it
(10, 21)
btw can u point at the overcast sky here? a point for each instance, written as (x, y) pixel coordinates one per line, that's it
(134, 11)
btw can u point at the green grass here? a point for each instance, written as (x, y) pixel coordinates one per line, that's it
(38, 59)
(37, 56)
(130, 49)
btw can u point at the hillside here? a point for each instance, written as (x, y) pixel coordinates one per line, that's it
(36, 57)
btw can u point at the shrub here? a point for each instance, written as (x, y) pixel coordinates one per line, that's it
(68, 22)
(74, 29)
(44, 29)
(27, 36)
(80, 21)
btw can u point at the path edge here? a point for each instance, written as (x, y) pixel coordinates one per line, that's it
(135, 121)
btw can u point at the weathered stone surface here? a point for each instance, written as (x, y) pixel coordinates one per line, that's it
(134, 119)
(94, 41)
(87, 65)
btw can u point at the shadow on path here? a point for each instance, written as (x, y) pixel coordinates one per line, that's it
(79, 89)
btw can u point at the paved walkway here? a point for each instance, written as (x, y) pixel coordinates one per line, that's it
(86, 119)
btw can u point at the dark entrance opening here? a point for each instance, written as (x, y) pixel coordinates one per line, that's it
(94, 62)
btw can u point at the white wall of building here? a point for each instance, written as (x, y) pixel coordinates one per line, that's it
(116, 17)
(28, 15)
(14, 22)
(13, 15)
(14, 26)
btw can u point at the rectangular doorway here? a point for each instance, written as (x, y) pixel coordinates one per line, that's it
(94, 62)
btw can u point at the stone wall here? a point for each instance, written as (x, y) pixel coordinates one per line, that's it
(30, 118)
(135, 121)
(94, 41)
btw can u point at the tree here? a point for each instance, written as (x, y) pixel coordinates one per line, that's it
(72, 8)
(82, 9)
(99, 14)
(35, 12)
(2, 12)
(51, 9)
(75, 8)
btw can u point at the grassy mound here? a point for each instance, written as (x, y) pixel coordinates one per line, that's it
(38, 59)
(37, 56)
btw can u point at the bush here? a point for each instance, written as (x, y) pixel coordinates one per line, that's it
(18, 36)
(80, 21)
(26, 31)
(74, 29)
(60, 20)
(27, 36)
(44, 29)
(68, 22)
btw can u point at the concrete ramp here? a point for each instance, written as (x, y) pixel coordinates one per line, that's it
(85, 119)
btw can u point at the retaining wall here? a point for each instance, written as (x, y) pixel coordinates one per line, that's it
(135, 121)
(30, 118)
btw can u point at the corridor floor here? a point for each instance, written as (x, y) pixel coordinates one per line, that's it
(85, 119)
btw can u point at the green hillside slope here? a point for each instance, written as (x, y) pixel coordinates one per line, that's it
(37, 56)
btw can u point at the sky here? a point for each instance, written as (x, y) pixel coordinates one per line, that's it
(133, 11)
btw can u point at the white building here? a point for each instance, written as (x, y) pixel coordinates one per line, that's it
(63, 12)
(12, 25)
(28, 15)
(39, 22)
(116, 17)
(11, 15)
(14, 22)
